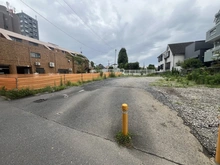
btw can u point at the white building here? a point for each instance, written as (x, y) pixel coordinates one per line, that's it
(213, 36)
(174, 54)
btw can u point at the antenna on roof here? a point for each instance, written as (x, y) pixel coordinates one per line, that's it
(35, 17)
(14, 10)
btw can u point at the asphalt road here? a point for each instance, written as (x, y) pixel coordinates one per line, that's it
(78, 125)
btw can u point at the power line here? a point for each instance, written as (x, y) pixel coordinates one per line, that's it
(60, 28)
(87, 25)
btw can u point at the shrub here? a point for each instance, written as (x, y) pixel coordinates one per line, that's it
(46, 89)
(105, 76)
(203, 76)
(191, 63)
(3, 91)
(80, 82)
(101, 74)
(59, 88)
(15, 94)
(68, 83)
(112, 74)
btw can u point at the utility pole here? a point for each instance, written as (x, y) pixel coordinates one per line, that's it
(115, 56)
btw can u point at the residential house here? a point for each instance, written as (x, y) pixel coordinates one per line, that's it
(161, 61)
(197, 50)
(24, 55)
(213, 36)
(174, 54)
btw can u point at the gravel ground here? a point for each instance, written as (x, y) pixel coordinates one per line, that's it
(199, 107)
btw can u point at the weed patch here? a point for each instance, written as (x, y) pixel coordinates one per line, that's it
(124, 140)
(112, 74)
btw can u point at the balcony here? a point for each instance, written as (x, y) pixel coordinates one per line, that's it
(210, 55)
(216, 48)
(213, 34)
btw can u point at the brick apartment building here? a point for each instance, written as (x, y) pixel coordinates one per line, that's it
(23, 55)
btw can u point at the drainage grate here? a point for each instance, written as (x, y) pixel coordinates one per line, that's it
(40, 100)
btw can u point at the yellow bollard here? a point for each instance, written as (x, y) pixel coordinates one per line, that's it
(217, 154)
(124, 119)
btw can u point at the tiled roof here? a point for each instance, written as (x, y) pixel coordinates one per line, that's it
(179, 48)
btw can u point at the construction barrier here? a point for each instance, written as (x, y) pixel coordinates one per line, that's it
(8, 83)
(38, 81)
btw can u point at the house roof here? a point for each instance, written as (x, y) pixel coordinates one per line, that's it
(8, 34)
(161, 54)
(179, 48)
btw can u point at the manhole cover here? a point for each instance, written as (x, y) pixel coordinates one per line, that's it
(40, 100)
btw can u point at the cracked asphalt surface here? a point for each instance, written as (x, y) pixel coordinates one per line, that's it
(78, 125)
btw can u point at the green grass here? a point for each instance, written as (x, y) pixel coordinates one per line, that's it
(174, 82)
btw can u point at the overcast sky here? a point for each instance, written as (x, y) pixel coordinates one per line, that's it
(143, 27)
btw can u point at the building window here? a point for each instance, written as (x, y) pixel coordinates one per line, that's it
(16, 39)
(35, 55)
(167, 54)
(40, 70)
(33, 43)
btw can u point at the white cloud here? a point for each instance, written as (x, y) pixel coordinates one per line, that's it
(143, 27)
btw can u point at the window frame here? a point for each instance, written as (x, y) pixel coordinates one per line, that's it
(35, 55)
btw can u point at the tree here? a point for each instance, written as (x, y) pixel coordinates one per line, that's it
(191, 63)
(134, 65)
(151, 66)
(122, 58)
(92, 64)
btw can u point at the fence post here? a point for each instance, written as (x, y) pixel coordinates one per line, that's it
(64, 79)
(16, 81)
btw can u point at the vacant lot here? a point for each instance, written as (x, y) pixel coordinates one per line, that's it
(198, 106)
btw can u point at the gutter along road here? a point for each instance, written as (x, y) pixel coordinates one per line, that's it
(78, 126)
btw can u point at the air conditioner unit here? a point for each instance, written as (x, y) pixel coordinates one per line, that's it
(37, 63)
(51, 64)
(70, 69)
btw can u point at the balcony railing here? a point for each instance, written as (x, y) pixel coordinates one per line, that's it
(213, 34)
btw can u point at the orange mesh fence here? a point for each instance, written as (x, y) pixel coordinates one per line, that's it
(39, 81)
(8, 83)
